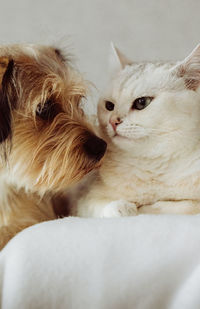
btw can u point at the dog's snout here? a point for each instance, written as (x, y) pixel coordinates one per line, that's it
(95, 147)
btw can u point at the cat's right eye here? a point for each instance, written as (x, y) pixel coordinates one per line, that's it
(109, 105)
(142, 102)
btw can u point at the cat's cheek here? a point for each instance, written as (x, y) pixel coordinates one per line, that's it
(106, 134)
(110, 131)
(122, 143)
(103, 121)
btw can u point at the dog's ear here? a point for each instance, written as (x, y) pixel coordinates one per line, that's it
(6, 69)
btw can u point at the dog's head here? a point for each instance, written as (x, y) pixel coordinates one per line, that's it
(46, 144)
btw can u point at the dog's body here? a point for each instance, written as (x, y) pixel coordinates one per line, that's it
(45, 142)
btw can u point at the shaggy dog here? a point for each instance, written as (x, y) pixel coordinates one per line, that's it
(46, 144)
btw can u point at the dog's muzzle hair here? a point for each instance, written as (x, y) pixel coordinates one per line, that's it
(46, 144)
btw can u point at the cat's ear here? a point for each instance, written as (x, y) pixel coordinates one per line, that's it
(189, 69)
(117, 60)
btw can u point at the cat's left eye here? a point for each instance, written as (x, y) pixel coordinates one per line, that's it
(109, 105)
(141, 103)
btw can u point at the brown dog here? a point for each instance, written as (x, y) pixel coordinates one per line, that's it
(45, 142)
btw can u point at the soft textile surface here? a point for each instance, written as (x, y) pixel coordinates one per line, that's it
(137, 262)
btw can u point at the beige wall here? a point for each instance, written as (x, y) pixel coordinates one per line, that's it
(143, 29)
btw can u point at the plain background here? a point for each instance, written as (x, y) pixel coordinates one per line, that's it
(144, 30)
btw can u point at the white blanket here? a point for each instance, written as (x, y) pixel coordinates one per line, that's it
(145, 262)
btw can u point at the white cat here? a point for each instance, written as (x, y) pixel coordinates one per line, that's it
(150, 118)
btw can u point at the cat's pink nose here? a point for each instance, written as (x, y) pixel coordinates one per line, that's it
(115, 121)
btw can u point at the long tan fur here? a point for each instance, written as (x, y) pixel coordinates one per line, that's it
(39, 157)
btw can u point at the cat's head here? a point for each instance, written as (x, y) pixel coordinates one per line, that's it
(152, 107)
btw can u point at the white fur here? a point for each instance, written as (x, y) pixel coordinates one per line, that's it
(154, 155)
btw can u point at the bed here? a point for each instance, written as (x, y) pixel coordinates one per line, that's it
(143, 262)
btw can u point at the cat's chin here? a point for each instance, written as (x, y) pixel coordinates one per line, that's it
(118, 139)
(121, 137)
(121, 143)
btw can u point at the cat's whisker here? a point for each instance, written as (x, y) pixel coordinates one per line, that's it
(138, 131)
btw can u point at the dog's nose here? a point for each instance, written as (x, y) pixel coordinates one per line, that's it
(95, 147)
